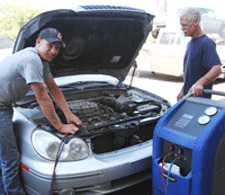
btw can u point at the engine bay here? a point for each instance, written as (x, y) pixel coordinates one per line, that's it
(111, 119)
(114, 122)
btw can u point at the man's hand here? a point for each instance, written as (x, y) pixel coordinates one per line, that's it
(72, 126)
(72, 119)
(197, 90)
(68, 128)
(179, 96)
(198, 87)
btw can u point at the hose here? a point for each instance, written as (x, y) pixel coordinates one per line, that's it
(59, 151)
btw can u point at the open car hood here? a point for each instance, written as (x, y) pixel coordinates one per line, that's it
(99, 39)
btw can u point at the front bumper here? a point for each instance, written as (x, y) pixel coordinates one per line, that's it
(99, 174)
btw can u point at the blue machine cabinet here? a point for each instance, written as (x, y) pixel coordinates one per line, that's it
(191, 135)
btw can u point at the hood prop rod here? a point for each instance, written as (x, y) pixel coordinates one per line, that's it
(132, 77)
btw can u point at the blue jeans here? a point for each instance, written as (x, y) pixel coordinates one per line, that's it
(9, 156)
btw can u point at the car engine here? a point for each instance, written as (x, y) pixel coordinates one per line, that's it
(114, 122)
(112, 119)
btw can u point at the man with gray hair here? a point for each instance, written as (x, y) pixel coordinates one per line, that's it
(201, 62)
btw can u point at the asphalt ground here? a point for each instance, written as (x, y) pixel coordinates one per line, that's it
(144, 188)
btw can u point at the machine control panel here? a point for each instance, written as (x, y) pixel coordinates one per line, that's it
(184, 121)
(210, 111)
(203, 120)
(192, 118)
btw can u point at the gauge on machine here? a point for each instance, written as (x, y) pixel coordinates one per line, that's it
(203, 120)
(210, 111)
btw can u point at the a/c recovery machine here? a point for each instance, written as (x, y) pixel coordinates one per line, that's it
(189, 148)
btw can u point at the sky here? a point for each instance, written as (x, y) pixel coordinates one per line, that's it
(148, 5)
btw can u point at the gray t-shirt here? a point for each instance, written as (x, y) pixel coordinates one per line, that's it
(18, 71)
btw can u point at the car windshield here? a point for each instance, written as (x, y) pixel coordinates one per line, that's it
(167, 38)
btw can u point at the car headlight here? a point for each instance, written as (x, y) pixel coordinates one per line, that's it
(46, 145)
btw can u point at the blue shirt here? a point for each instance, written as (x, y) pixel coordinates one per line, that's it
(200, 57)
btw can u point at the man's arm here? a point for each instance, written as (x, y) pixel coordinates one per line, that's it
(48, 109)
(59, 99)
(198, 87)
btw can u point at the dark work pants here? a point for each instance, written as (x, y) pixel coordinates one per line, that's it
(9, 156)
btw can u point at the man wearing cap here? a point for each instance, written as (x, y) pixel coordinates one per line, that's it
(21, 71)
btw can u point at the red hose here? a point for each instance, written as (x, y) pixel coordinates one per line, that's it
(56, 161)
(164, 159)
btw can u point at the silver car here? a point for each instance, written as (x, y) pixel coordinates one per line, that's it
(113, 148)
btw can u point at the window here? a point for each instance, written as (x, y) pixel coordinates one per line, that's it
(167, 38)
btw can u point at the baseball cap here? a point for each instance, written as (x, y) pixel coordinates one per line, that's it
(51, 35)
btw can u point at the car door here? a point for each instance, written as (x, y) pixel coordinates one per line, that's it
(167, 56)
